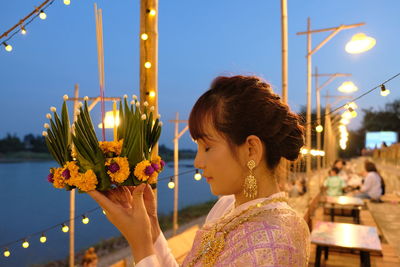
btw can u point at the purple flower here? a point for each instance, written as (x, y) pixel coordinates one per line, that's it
(162, 163)
(66, 174)
(113, 167)
(155, 166)
(149, 170)
(50, 178)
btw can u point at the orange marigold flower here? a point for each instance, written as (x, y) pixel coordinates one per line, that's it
(111, 146)
(86, 181)
(118, 169)
(140, 170)
(58, 179)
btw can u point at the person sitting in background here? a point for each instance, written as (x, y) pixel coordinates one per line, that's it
(373, 186)
(334, 184)
(341, 166)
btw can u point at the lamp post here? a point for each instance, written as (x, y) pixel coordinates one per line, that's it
(332, 76)
(309, 32)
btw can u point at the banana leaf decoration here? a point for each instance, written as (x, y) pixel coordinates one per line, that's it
(89, 154)
(58, 139)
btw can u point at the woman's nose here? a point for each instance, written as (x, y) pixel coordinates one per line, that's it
(198, 162)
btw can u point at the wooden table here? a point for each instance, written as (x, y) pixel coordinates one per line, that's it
(345, 235)
(344, 201)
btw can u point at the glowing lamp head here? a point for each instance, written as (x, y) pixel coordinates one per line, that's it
(65, 228)
(67, 2)
(147, 65)
(23, 30)
(304, 151)
(144, 36)
(6, 253)
(384, 91)
(42, 15)
(104, 212)
(319, 128)
(171, 184)
(85, 220)
(347, 87)
(25, 244)
(360, 43)
(353, 113)
(43, 239)
(152, 94)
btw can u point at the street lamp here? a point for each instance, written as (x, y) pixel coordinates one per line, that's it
(309, 32)
(347, 87)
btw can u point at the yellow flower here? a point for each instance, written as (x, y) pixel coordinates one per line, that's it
(111, 147)
(140, 170)
(59, 181)
(118, 169)
(86, 181)
(70, 172)
(153, 178)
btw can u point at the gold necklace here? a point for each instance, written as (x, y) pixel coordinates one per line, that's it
(212, 244)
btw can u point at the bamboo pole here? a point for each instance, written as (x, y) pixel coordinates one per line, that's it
(176, 174)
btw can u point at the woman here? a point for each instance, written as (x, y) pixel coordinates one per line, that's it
(373, 186)
(242, 130)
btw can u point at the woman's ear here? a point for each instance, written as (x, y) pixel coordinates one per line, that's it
(254, 148)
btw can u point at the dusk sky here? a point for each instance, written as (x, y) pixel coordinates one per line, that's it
(198, 40)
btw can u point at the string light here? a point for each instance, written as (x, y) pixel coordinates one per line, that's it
(104, 212)
(25, 244)
(197, 175)
(147, 65)
(7, 47)
(384, 91)
(152, 94)
(171, 183)
(43, 238)
(42, 15)
(144, 36)
(6, 253)
(319, 128)
(64, 228)
(85, 220)
(23, 30)
(67, 2)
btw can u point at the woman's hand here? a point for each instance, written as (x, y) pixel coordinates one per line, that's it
(125, 208)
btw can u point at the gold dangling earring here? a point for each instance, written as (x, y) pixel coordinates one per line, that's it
(250, 182)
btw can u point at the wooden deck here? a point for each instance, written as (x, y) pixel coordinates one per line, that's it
(339, 258)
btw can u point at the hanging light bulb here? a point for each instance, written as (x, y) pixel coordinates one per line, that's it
(43, 238)
(144, 36)
(384, 91)
(104, 212)
(304, 151)
(85, 220)
(171, 183)
(67, 2)
(7, 47)
(23, 30)
(25, 244)
(42, 15)
(64, 228)
(197, 175)
(147, 65)
(6, 253)
(319, 128)
(152, 94)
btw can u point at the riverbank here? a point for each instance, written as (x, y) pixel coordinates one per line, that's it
(118, 245)
(24, 156)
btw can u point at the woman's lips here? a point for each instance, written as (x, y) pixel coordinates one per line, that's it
(208, 178)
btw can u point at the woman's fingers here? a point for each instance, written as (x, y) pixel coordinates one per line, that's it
(102, 200)
(137, 196)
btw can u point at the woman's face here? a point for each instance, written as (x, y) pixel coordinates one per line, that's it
(223, 172)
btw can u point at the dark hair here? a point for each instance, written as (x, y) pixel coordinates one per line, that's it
(335, 169)
(370, 166)
(240, 106)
